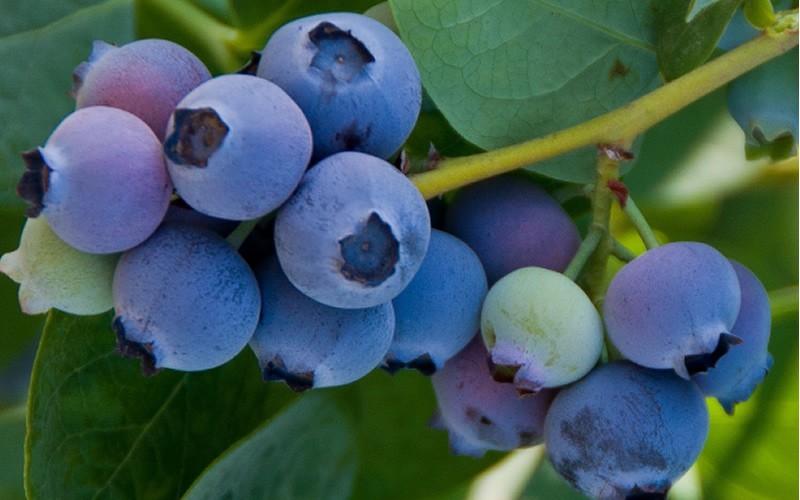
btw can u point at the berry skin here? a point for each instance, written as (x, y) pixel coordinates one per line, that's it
(352, 76)
(52, 274)
(310, 345)
(184, 299)
(625, 430)
(100, 180)
(438, 313)
(512, 223)
(674, 307)
(354, 233)
(541, 329)
(145, 77)
(481, 414)
(237, 147)
(741, 370)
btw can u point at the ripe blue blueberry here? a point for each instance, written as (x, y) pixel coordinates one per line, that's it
(354, 233)
(237, 147)
(145, 77)
(481, 414)
(511, 223)
(674, 307)
(353, 78)
(439, 311)
(741, 370)
(541, 329)
(625, 430)
(310, 345)
(100, 180)
(184, 299)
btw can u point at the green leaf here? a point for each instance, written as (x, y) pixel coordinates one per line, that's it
(503, 71)
(697, 6)
(681, 45)
(40, 45)
(12, 447)
(98, 428)
(400, 456)
(306, 451)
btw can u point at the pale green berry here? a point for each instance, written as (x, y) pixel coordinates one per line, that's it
(52, 274)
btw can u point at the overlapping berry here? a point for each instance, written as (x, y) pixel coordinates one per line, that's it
(355, 277)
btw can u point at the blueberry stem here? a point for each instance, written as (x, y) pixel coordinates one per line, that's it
(621, 252)
(242, 231)
(626, 121)
(640, 223)
(587, 248)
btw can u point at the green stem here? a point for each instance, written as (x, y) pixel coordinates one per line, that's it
(621, 252)
(587, 248)
(640, 223)
(242, 231)
(624, 122)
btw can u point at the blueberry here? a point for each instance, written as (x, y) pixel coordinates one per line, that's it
(625, 430)
(52, 274)
(354, 233)
(184, 299)
(674, 307)
(307, 344)
(439, 311)
(237, 147)
(352, 76)
(541, 329)
(481, 414)
(511, 223)
(741, 370)
(145, 77)
(100, 180)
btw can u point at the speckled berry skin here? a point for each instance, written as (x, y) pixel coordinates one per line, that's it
(52, 274)
(438, 313)
(184, 300)
(145, 77)
(741, 370)
(236, 147)
(625, 430)
(511, 223)
(354, 233)
(352, 76)
(541, 329)
(673, 304)
(307, 344)
(481, 414)
(99, 180)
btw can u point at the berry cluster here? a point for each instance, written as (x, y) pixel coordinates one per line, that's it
(132, 197)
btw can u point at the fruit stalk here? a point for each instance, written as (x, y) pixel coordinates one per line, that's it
(629, 120)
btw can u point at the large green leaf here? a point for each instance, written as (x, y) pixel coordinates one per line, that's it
(503, 71)
(305, 452)
(12, 441)
(41, 42)
(98, 428)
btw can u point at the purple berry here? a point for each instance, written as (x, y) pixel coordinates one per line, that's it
(481, 414)
(354, 233)
(184, 299)
(439, 311)
(310, 345)
(352, 76)
(741, 370)
(145, 77)
(100, 180)
(237, 147)
(625, 430)
(512, 223)
(674, 307)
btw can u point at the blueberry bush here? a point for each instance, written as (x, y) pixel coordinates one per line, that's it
(410, 249)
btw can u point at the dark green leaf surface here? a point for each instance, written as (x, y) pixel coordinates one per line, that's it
(683, 46)
(12, 441)
(40, 45)
(98, 428)
(305, 452)
(503, 71)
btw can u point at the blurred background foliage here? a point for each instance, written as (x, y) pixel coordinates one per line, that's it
(690, 179)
